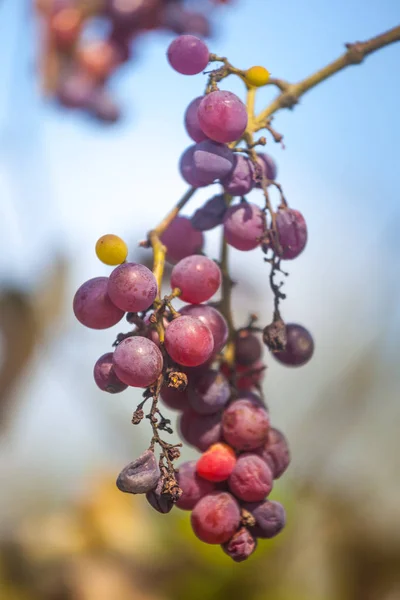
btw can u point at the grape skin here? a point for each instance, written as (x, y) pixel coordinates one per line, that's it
(188, 341)
(182, 239)
(215, 518)
(188, 55)
(270, 518)
(241, 545)
(243, 226)
(276, 452)
(105, 376)
(211, 317)
(217, 463)
(193, 487)
(245, 425)
(93, 307)
(299, 348)
(251, 479)
(198, 278)
(222, 116)
(209, 393)
(137, 361)
(191, 120)
(200, 431)
(132, 287)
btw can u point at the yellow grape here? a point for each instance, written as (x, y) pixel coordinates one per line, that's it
(111, 249)
(257, 76)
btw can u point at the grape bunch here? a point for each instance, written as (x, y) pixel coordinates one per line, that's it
(195, 361)
(78, 59)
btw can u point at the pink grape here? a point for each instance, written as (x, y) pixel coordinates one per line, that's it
(239, 182)
(209, 393)
(198, 278)
(245, 425)
(188, 341)
(193, 487)
(251, 479)
(292, 233)
(276, 452)
(222, 116)
(243, 225)
(241, 545)
(132, 287)
(188, 55)
(215, 518)
(173, 398)
(137, 361)
(248, 348)
(211, 317)
(270, 518)
(182, 239)
(192, 122)
(200, 431)
(299, 348)
(93, 307)
(105, 377)
(211, 214)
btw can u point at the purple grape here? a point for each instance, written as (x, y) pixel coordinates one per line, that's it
(176, 18)
(245, 425)
(188, 341)
(75, 90)
(103, 106)
(141, 475)
(211, 317)
(270, 518)
(210, 215)
(93, 307)
(174, 398)
(215, 518)
(188, 55)
(299, 347)
(182, 239)
(292, 233)
(251, 479)
(243, 226)
(137, 361)
(198, 277)
(192, 122)
(105, 377)
(276, 452)
(162, 503)
(209, 393)
(222, 116)
(187, 168)
(193, 487)
(200, 431)
(240, 180)
(267, 169)
(132, 287)
(241, 545)
(212, 161)
(248, 348)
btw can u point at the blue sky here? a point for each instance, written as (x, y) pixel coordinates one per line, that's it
(65, 181)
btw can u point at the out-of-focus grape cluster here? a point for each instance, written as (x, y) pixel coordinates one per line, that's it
(85, 42)
(194, 359)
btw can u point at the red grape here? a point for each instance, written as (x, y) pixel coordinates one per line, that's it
(182, 239)
(200, 431)
(193, 487)
(299, 348)
(218, 462)
(245, 425)
(198, 278)
(209, 393)
(192, 122)
(215, 518)
(222, 116)
(276, 452)
(211, 317)
(137, 361)
(93, 307)
(248, 348)
(188, 341)
(105, 377)
(241, 545)
(188, 55)
(132, 287)
(174, 398)
(292, 233)
(251, 479)
(243, 226)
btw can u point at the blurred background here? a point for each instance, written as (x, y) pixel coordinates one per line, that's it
(69, 176)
